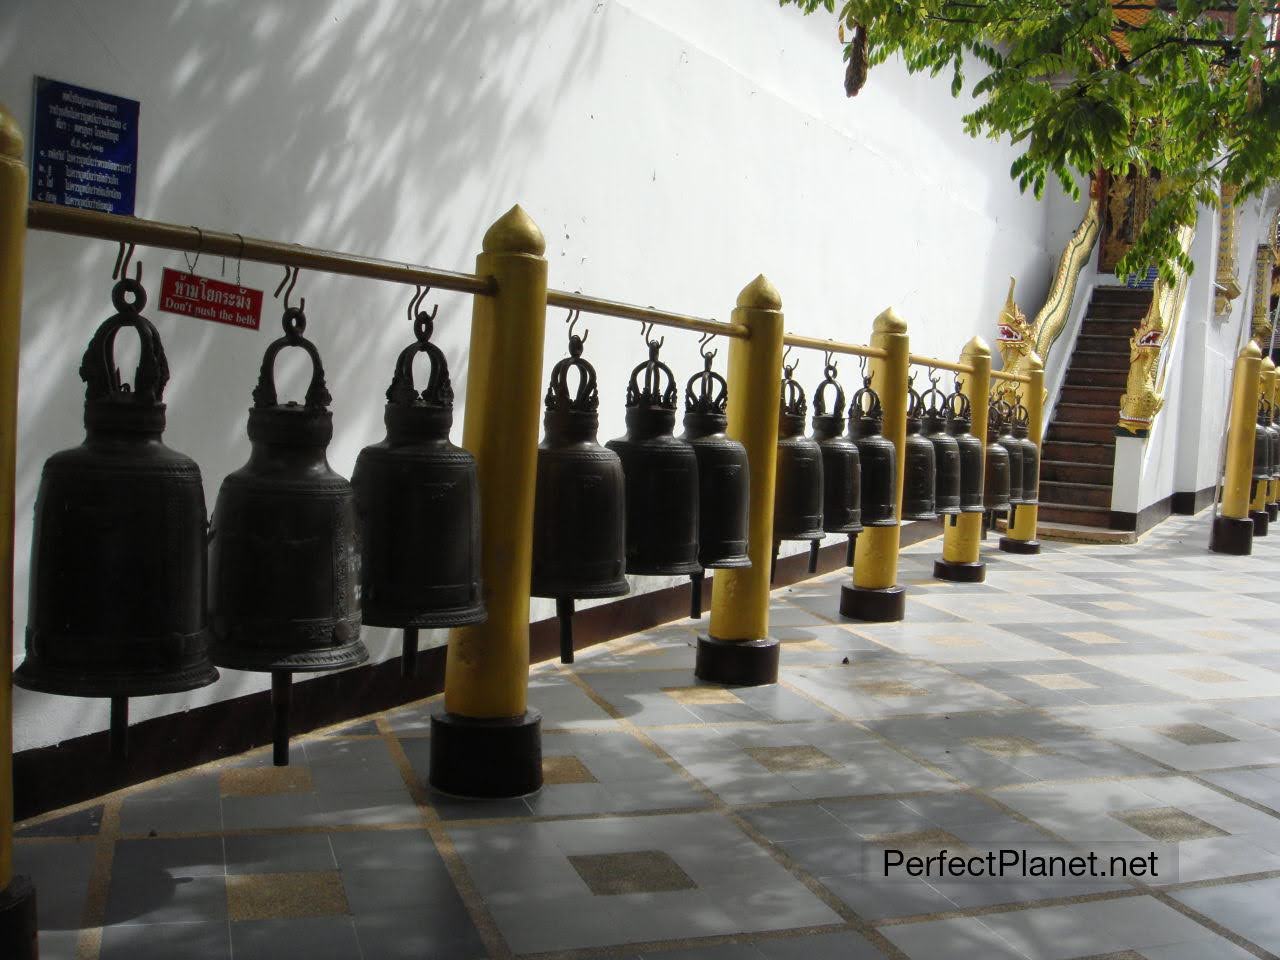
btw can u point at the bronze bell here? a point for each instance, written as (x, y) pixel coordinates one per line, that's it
(117, 556)
(1012, 446)
(284, 568)
(1030, 455)
(418, 506)
(959, 420)
(797, 494)
(919, 469)
(723, 477)
(946, 451)
(579, 523)
(841, 468)
(1262, 461)
(1273, 507)
(996, 482)
(878, 458)
(661, 473)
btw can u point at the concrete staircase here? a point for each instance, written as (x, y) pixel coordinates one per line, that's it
(1080, 445)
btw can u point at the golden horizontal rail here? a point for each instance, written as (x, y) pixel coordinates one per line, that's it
(1012, 377)
(171, 236)
(922, 361)
(835, 346)
(630, 311)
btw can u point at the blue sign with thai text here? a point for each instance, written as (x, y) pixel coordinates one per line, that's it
(85, 152)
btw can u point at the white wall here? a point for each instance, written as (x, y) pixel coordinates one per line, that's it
(669, 150)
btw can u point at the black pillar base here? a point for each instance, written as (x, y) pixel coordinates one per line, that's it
(740, 663)
(884, 605)
(975, 572)
(486, 758)
(1233, 535)
(1260, 522)
(1010, 545)
(1273, 512)
(18, 920)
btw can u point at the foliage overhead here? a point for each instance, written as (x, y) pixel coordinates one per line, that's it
(1187, 88)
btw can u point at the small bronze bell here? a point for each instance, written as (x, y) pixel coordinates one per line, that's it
(1030, 455)
(841, 468)
(996, 482)
(878, 458)
(283, 560)
(919, 469)
(579, 522)
(959, 420)
(723, 477)
(418, 506)
(1273, 507)
(1012, 446)
(1262, 464)
(797, 496)
(946, 451)
(117, 555)
(661, 474)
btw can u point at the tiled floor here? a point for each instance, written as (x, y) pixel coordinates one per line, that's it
(1122, 701)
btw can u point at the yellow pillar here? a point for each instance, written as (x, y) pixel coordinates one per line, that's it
(17, 897)
(875, 594)
(1261, 488)
(1021, 537)
(738, 649)
(1232, 528)
(486, 742)
(962, 535)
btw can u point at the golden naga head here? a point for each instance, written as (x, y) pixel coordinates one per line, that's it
(1013, 332)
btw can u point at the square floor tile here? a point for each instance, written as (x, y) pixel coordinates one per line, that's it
(639, 871)
(565, 769)
(1194, 734)
(265, 781)
(1169, 824)
(270, 896)
(315, 938)
(791, 759)
(701, 696)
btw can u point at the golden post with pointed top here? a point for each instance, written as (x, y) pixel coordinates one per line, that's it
(1022, 532)
(486, 742)
(17, 896)
(1233, 529)
(738, 649)
(962, 535)
(875, 594)
(1258, 511)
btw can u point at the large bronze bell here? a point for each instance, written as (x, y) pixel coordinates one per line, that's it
(919, 468)
(1012, 446)
(1262, 462)
(946, 451)
(579, 523)
(996, 481)
(418, 506)
(878, 458)
(1273, 507)
(117, 556)
(283, 561)
(723, 477)
(841, 467)
(1030, 455)
(797, 493)
(959, 420)
(661, 473)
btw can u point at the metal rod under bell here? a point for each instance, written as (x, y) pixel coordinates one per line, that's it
(813, 555)
(281, 695)
(773, 564)
(119, 736)
(848, 550)
(695, 596)
(409, 652)
(564, 613)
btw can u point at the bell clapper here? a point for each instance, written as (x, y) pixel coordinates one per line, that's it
(119, 736)
(813, 555)
(409, 652)
(848, 550)
(695, 595)
(564, 613)
(281, 696)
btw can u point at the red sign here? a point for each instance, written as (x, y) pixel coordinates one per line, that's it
(209, 299)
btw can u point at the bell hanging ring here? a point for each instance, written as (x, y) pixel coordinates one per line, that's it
(919, 469)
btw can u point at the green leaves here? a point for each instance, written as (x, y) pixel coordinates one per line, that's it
(1189, 89)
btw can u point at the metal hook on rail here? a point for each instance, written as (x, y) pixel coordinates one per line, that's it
(123, 256)
(572, 320)
(291, 278)
(646, 331)
(703, 342)
(191, 264)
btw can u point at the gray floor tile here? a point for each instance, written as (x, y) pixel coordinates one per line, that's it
(313, 938)
(166, 941)
(278, 854)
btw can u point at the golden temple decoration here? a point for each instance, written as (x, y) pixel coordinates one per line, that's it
(1144, 390)
(1053, 316)
(1228, 286)
(1260, 327)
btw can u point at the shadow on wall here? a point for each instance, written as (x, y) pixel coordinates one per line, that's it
(347, 127)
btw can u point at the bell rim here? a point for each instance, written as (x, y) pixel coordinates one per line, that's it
(681, 568)
(39, 677)
(245, 658)
(920, 515)
(613, 588)
(852, 527)
(739, 562)
(892, 522)
(804, 535)
(448, 617)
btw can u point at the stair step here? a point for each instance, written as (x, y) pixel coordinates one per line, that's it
(1105, 413)
(1107, 327)
(1075, 471)
(1078, 393)
(1082, 516)
(1077, 494)
(1118, 311)
(1076, 451)
(1101, 360)
(1107, 343)
(1092, 377)
(1119, 291)
(1099, 433)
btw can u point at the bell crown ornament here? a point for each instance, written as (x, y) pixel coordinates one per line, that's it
(427, 414)
(706, 399)
(866, 413)
(110, 403)
(657, 389)
(828, 424)
(792, 405)
(933, 407)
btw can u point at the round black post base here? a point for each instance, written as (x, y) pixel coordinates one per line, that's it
(1233, 535)
(1010, 545)
(18, 920)
(737, 663)
(956, 572)
(883, 605)
(486, 758)
(1261, 522)
(1273, 512)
